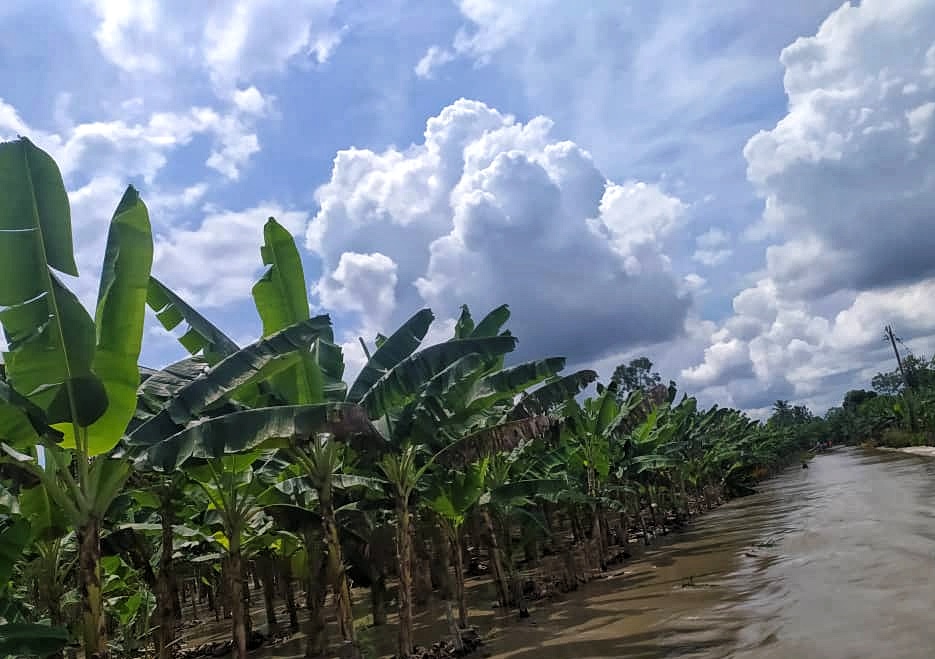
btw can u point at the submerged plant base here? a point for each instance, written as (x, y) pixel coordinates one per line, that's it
(255, 640)
(470, 639)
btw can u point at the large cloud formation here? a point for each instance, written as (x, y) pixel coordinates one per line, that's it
(848, 179)
(489, 210)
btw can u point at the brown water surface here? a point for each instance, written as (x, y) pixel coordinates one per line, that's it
(834, 561)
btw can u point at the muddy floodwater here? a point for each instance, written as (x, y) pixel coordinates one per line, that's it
(835, 561)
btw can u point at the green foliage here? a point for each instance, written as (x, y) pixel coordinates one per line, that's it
(896, 438)
(637, 374)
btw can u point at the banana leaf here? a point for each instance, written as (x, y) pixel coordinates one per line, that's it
(202, 336)
(50, 335)
(407, 378)
(397, 347)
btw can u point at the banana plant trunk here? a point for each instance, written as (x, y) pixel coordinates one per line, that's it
(342, 591)
(94, 629)
(288, 589)
(404, 556)
(235, 589)
(265, 568)
(459, 579)
(316, 590)
(165, 632)
(496, 562)
(378, 597)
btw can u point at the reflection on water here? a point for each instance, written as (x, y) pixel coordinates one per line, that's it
(834, 561)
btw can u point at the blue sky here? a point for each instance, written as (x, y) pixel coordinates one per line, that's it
(740, 190)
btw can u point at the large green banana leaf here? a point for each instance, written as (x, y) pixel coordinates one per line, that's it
(506, 383)
(162, 385)
(407, 378)
(202, 335)
(442, 397)
(400, 345)
(255, 363)
(491, 324)
(454, 496)
(51, 337)
(247, 430)
(121, 311)
(48, 520)
(281, 300)
(280, 295)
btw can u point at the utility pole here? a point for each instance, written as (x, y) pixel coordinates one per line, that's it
(888, 332)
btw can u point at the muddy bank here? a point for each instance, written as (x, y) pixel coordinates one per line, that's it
(928, 451)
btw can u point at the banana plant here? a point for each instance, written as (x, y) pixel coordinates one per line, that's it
(80, 372)
(452, 499)
(202, 422)
(449, 406)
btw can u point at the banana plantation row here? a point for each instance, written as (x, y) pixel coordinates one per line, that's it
(124, 489)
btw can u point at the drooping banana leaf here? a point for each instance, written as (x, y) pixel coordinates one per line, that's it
(329, 359)
(407, 378)
(252, 364)
(202, 336)
(247, 430)
(21, 422)
(162, 385)
(499, 438)
(506, 383)
(121, 311)
(50, 336)
(541, 400)
(397, 347)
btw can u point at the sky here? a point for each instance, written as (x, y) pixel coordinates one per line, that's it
(742, 191)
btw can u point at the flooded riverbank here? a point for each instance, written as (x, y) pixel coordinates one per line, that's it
(833, 561)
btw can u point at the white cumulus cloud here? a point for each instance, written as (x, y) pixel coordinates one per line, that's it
(489, 210)
(846, 177)
(217, 262)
